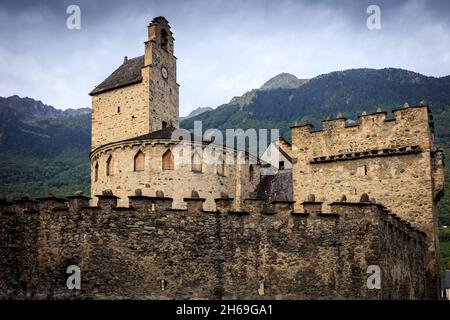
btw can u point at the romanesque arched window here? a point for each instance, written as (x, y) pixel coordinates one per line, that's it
(251, 172)
(220, 165)
(139, 161)
(196, 161)
(164, 39)
(110, 166)
(167, 160)
(96, 172)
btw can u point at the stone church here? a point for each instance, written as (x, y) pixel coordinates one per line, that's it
(350, 212)
(135, 141)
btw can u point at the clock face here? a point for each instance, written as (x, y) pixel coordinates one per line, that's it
(164, 72)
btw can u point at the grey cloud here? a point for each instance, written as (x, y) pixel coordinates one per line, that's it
(224, 48)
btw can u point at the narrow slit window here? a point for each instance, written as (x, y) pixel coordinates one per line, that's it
(110, 166)
(251, 172)
(96, 172)
(221, 166)
(164, 39)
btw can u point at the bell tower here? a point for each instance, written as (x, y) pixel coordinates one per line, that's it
(141, 95)
(160, 68)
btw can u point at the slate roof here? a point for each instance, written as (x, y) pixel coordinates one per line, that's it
(288, 157)
(287, 142)
(166, 134)
(128, 73)
(163, 134)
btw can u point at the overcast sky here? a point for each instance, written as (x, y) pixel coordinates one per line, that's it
(224, 48)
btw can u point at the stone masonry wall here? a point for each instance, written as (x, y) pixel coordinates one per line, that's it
(151, 251)
(394, 161)
(109, 125)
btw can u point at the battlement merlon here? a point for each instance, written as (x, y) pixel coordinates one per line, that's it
(410, 126)
(377, 214)
(78, 206)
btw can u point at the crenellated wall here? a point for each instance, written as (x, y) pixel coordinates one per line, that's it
(394, 160)
(151, 251)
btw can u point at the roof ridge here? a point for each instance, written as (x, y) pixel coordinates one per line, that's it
(141, 56)
(129, 72)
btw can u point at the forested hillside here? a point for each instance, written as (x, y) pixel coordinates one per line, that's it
(42, 149)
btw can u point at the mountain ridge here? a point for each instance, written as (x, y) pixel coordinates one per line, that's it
(351, 91)
(283, 80)
(29, 107)
(196, 112)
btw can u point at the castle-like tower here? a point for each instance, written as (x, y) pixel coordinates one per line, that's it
(141, 95)
(392, 159)
(135, 144)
